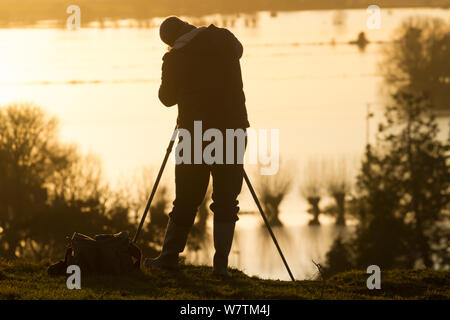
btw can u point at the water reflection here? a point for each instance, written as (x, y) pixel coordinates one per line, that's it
(255, 253)
(102, 84)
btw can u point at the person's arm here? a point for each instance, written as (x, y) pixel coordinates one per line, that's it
(168, 89)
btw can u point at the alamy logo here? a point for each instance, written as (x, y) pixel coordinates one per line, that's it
(374, 19)
(74, 20)
(74, 280)
(374, 281)
(262, 147)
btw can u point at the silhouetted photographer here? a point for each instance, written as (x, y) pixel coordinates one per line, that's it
(201, 73)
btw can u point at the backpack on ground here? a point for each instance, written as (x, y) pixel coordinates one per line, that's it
(109, 254)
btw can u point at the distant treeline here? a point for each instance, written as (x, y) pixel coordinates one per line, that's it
(13, 12)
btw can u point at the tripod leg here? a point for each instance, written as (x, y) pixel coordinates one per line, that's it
(155, 186)
(252, 191)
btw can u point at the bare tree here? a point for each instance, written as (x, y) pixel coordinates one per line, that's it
(339, 181)
(30, 154)
(81, 180)
(312, 185)
(48, 189)
(272, 190)
(419, 59)
(133, 193)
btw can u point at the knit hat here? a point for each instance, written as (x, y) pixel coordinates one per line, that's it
(172, 28)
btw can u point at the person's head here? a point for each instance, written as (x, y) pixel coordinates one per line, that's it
(172, 28)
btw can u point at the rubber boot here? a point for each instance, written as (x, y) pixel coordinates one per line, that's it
(174, 243)
(223, 239)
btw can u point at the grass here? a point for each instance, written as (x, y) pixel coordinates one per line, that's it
(29, 280)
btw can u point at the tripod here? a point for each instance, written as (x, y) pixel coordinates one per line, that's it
(247, 180)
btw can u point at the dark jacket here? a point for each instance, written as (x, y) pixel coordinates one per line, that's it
(202, 74)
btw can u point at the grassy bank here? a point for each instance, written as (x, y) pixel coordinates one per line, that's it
(27, 280)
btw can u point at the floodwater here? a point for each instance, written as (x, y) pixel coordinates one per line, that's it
(300, 75)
